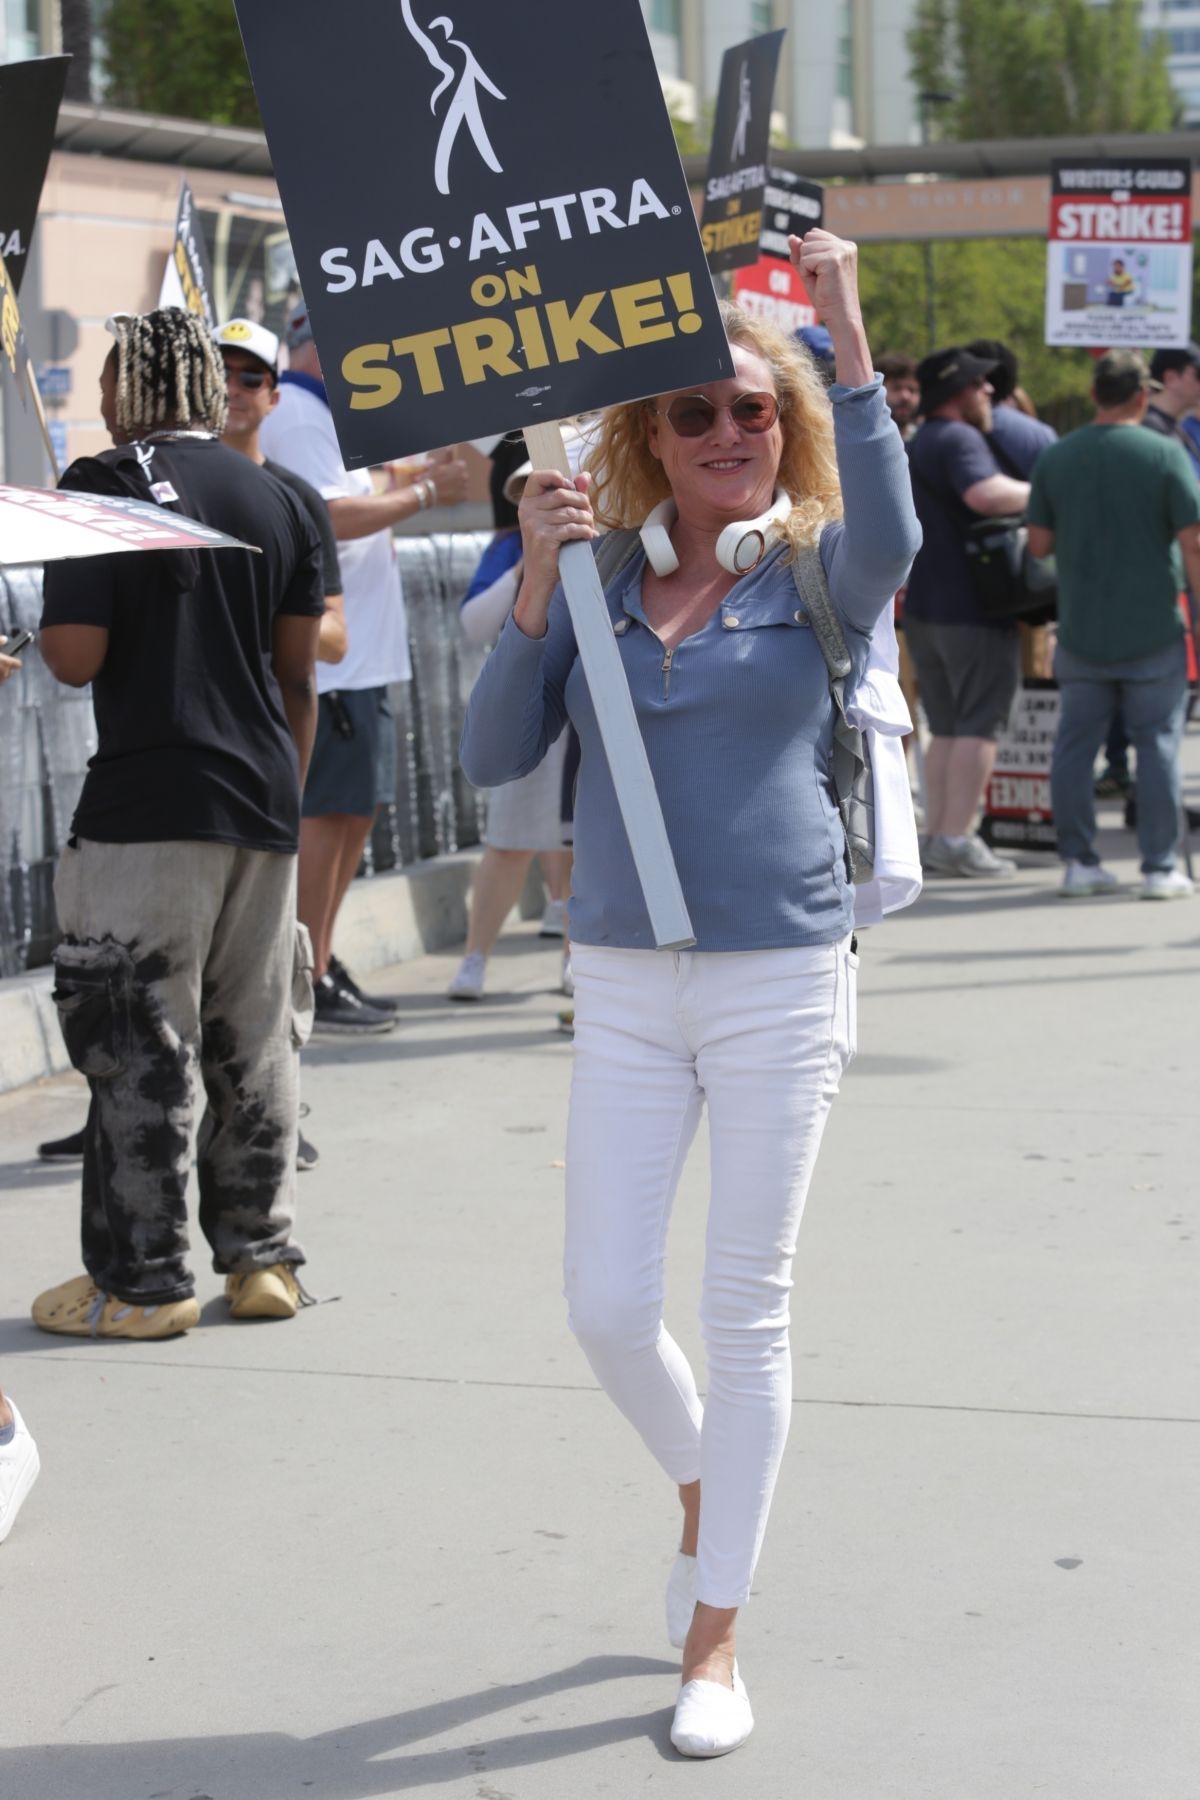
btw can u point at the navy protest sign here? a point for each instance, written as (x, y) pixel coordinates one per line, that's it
(732, 221)
(30, 95)
(791, 206)
(488, 213)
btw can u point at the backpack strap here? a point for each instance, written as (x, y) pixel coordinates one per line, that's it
(849, 751)
(614, 551)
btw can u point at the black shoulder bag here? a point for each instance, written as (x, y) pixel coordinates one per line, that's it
(1006, 581)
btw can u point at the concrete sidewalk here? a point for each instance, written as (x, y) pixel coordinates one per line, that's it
(402, 1545)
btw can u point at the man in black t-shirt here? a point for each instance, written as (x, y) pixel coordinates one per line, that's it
(181, 960)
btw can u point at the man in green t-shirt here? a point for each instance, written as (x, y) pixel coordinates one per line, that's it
(1120, 510)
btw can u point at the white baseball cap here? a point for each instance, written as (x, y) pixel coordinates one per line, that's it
(256, 340)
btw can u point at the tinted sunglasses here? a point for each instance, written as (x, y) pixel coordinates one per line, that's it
(249, 378)
(694, 415)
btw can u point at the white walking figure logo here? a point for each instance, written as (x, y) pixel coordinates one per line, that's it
(464, 103)
(745, 114)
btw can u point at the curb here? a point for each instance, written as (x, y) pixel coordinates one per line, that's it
(388, 919)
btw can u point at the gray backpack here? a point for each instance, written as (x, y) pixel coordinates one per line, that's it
(853, 782)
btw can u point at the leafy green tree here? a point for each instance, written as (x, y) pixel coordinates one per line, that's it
(182, 57)
(1041, 68)
(981, 287)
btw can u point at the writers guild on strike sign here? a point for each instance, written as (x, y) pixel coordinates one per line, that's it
(475, 293)
(1119, 255)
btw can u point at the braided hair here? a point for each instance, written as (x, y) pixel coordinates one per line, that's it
(169, 372)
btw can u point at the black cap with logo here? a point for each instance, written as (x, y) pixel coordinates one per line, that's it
(948, 372)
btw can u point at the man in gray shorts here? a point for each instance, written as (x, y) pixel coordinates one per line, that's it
(968, 669)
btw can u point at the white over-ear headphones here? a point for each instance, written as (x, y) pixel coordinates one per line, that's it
(740, 547)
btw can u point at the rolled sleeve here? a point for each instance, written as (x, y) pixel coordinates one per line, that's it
(869, 556)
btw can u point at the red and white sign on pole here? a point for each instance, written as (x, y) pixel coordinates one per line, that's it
(1119, 258)
(773, 290)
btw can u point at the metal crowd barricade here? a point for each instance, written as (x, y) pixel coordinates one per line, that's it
(47, 734)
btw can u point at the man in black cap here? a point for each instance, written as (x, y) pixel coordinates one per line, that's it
(968, 667)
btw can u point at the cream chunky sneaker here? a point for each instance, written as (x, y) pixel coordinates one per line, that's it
(78, 1308)
(272, 1293)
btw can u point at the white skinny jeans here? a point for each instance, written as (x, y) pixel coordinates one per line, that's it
(763, 1036)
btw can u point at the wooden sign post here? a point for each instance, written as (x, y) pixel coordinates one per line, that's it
(623, 746)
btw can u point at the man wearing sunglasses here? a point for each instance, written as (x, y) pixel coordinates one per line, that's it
(251, 356)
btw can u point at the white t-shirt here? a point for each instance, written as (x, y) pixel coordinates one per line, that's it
(299, 434)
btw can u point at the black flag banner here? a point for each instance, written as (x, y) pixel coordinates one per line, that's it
(187, 279)
(30, 96)
(732, 220)
(488, 212)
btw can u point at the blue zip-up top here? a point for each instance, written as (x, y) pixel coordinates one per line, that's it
(737, 722)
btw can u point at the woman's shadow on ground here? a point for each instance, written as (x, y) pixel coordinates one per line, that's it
(357, 1762)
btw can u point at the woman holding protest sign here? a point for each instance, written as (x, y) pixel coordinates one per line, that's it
(748, 484)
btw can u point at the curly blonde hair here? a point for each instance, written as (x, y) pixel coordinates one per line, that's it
(628, 481)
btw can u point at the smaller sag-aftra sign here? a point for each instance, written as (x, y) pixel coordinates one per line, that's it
(1119, 258)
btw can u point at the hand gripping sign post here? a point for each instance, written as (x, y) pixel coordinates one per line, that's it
(494, 232)
(1119, 257)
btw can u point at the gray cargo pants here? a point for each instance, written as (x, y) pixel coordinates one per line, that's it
(183, 961)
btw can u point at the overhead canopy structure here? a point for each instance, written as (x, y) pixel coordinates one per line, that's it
(146, 137)
(981, 159)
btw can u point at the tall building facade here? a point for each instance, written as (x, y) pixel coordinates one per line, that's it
(1179, 20)
(27, 28)
(843, 76)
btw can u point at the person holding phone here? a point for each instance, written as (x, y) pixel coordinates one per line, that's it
(10, 651)
(757, 1022)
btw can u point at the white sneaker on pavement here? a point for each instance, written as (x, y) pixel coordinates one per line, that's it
(554, 919)
(711, 1719)
(1166, 884)
(1082, 879)
(966, 857)
(468, 983)
(19, 1467)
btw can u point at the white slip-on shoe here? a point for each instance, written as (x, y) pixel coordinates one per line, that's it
(19, 1467)
(711, 1719)
(681, 1599)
